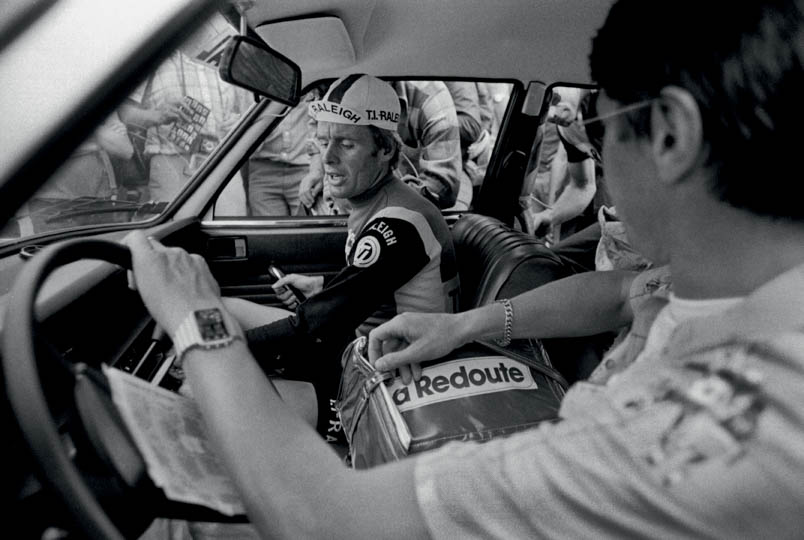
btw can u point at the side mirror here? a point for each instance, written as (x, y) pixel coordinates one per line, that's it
(253, 65)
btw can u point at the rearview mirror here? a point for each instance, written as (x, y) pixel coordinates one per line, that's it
(253, 65)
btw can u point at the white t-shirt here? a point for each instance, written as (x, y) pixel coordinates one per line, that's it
(702, 444)
(675, 312)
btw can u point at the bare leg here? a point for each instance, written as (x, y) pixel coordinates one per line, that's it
(251, 315)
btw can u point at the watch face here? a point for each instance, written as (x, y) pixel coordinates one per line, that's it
(210, 324)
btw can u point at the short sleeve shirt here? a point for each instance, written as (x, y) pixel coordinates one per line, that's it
(704, 439)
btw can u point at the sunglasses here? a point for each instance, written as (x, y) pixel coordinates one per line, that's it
(582, 133)
(616, 112)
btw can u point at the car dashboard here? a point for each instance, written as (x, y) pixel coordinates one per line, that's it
(87, 317)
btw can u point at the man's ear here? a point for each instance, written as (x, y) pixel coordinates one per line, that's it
(386, 153)
(676, 134)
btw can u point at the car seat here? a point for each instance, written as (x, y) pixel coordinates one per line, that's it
(497, 261)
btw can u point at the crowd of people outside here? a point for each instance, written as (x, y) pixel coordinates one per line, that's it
(149, 147)
(159, 137)
(154, 143)
(447, 130)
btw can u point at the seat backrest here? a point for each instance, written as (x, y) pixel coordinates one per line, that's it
(496, 261)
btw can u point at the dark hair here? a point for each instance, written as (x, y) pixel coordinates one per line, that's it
(742, 62)
(386, 140)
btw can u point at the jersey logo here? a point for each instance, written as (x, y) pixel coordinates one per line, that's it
(385, 230)
(367, 252)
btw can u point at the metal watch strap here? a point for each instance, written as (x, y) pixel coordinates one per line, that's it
(187, 338)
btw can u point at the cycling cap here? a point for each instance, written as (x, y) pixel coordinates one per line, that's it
(359, 100)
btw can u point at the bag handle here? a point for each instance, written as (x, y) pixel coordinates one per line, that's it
(547, 371)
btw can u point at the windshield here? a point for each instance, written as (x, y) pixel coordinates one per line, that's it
(142, 155)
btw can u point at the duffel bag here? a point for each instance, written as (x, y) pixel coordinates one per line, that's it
(475, 393)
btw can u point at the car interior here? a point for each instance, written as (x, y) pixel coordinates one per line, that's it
(66, 305)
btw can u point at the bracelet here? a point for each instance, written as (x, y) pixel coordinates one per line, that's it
(505, 340)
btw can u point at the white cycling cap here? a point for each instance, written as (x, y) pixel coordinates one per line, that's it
(359, 100)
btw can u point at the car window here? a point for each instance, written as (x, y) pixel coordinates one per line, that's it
(448, 131)
(564, 186)
(140, 157)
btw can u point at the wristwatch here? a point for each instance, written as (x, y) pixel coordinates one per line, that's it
(203, 329)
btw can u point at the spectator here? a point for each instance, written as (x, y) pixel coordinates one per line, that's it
(276, 169)
(187, 110)
(467, 107)
(430, 159)
(88, 172)
(563, 186)
(548, 168)
(475, 125)
(493, 102)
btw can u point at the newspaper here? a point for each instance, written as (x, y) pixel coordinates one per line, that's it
(169, 432)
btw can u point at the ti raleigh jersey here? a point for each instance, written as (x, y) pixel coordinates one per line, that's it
(399, 256)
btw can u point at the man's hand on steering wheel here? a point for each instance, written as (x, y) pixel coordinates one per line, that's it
(171, 281)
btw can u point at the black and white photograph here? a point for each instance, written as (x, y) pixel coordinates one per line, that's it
(379, 269)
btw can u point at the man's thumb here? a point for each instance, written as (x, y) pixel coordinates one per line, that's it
(393, 360)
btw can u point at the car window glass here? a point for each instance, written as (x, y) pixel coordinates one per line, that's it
(142, 155)
(447, 129)
(564, 187)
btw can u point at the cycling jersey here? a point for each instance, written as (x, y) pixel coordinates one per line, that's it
(399, 257)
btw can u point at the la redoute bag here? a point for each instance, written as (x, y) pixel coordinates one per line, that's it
(475, 393)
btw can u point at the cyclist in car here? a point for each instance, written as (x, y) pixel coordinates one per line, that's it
(399, 249)
(699, 437)
(430, 151)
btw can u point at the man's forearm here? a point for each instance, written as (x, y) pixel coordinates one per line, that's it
(442, 186)
(135, 115)
(470, 129)
(292, 483)
(440, 161)
(232, 391)
(580, 305)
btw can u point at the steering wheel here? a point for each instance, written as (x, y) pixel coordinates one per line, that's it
(97, 472)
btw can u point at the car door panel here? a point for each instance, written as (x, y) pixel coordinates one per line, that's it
(239, 254)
